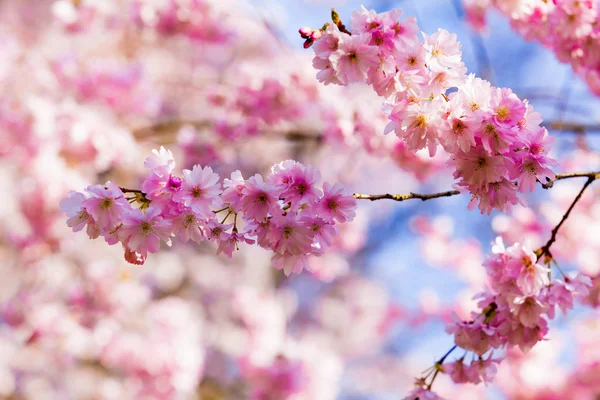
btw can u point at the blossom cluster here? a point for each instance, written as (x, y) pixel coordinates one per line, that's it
(514, 311)
(566, 27)
(197, 20)
(286, 212)
(496, 145)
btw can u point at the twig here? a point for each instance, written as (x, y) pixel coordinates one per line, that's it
(125, 190)
(545, 250)
(572, 126)
(172, 126)
(569, 175)
(438, 366)
(403, 197)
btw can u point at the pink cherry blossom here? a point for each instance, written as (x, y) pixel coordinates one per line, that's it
(336, 204)
(200, 190)
(353, 58)
(260, 199)
(142, 231)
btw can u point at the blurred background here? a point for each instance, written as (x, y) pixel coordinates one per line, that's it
(88, 88)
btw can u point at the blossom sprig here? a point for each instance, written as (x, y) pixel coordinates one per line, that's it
(288, 212)
(496, 144)
(514, 311)
(568, 28)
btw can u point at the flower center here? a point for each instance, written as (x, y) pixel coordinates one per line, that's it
(332, 204)
(302, 188)
(261, 198)
(421, 121)
(288, 232)
(480, 163)
(458, 126)
(196, 192)
(106, 203)
(503, 113)
(189, 220)
(146, 227)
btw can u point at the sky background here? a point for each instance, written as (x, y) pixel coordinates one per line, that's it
(500, 56)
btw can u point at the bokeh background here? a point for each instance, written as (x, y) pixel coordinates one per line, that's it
(88, 88)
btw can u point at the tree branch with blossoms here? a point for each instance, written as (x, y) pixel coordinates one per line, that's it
(531, 274)
(498, 150)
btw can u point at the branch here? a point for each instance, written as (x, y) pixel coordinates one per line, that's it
(572, 126)
(173, 126)
(545, 250)
(125, 190)
(402, 197)
(568, 175)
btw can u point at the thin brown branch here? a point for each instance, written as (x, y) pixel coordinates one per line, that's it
(170, 127)
(403, 197)
(125, 190)
(568, 175)
(545, 250)
(572, 127)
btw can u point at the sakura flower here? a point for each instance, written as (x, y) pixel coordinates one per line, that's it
(459, 132)
(187, 225)
(260, 199)
(478, 167)
(530, 276)
(495, 138)
(328, 42)
(529, 170)
(405, 32)
(563, 293)
(336, 204)
(443, 50)
(217, 232)
(229, 245)
(365, 21)
(106, 205)
(142, 231)
(353, 58)
(527, 309)
(233, 191)
(160, 188)
(290, 263)
(200, 190)
(420, 127)
(525, 337)
(323, 232)
(78, 215)
(458, 371)
(302, 189)
(160, 159)
(507, 107)
(483, 369)
(290, 235)
(327, 74)
(500, 195)
(473, 336)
